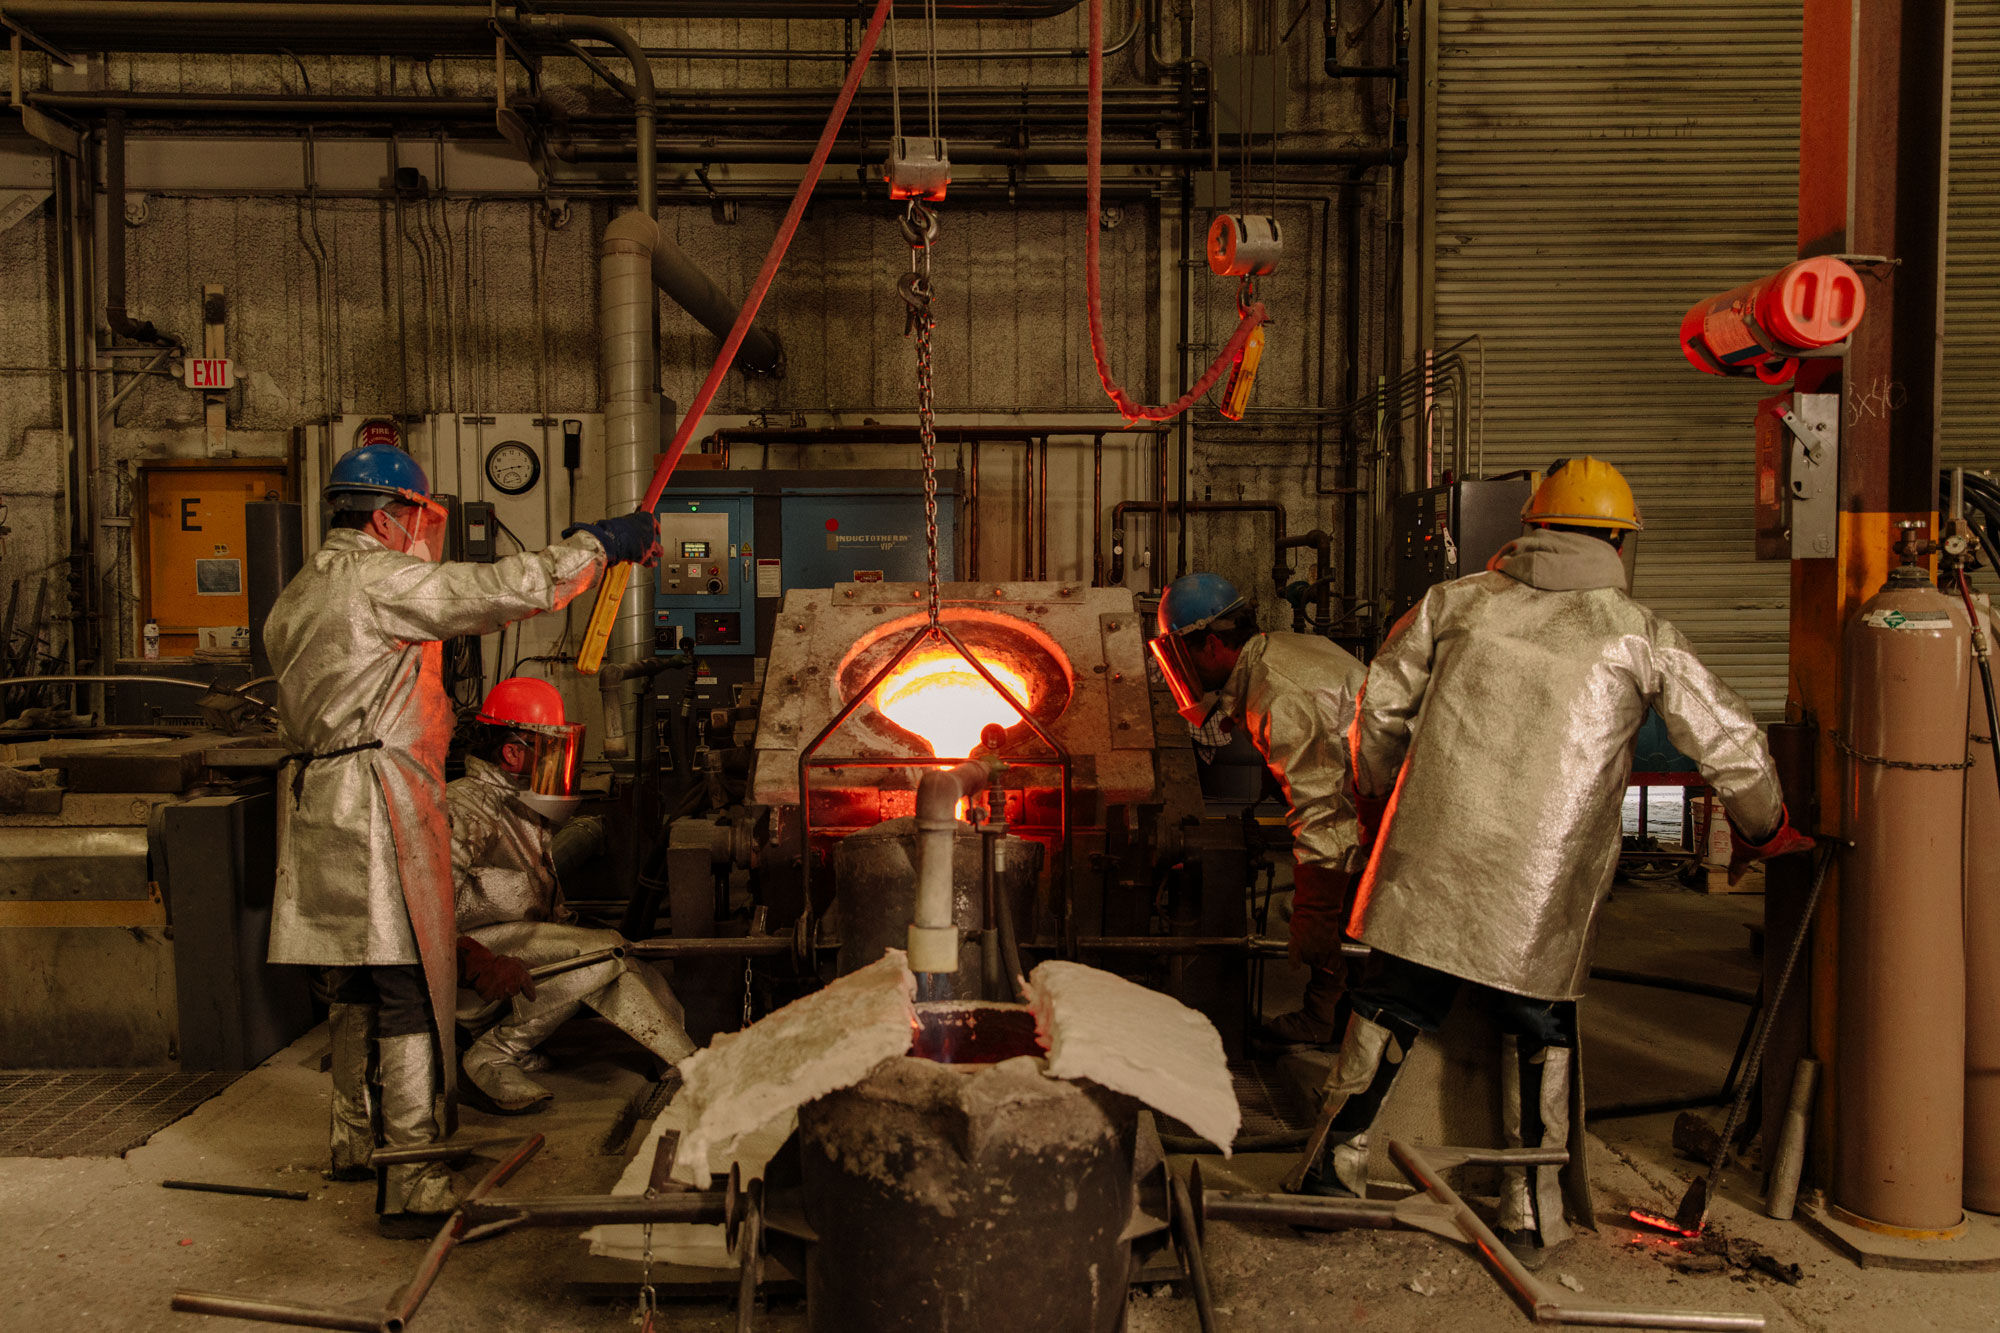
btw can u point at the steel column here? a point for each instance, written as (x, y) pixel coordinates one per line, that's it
(1874, 121)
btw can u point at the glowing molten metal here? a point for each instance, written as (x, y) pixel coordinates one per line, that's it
(940, 698)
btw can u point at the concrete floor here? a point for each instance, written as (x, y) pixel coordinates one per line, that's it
(98, 1242)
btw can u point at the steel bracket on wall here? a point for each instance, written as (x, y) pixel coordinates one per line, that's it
(1813, 475)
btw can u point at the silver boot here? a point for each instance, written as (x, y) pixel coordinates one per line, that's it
(1371, 1058)
(496, 1064)
(412, 1200)
(1534, 1111)
(351, 1028)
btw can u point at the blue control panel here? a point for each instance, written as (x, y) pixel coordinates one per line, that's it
(705, 587)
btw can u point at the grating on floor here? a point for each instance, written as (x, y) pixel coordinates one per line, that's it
(1271, 1103)
(95, 1112)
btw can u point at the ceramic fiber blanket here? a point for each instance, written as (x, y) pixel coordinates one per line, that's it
(829, 1040)
(694, 1244)
(1138, 1042)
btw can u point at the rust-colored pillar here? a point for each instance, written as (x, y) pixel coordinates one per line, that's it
(1872, 134)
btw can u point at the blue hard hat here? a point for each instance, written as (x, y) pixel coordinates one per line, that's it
(1195, 601)
(374, 475)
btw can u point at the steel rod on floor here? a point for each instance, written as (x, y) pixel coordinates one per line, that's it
(403, 1305)
(275, 1312)
(1735, 994)
(254, 1191)
(591, 1210)
(1189, 1239)
(1537, 1301)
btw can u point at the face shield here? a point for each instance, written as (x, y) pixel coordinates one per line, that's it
(542, 760)
(1183, 678)
(426, 531)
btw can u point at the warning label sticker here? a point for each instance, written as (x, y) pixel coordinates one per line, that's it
(1913, 621)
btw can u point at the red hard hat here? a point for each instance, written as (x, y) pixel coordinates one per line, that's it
(523, 701)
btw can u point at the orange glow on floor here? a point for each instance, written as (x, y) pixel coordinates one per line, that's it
(941, 698)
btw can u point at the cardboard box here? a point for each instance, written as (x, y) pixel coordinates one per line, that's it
(224, 638)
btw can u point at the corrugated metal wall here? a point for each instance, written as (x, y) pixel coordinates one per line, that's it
(1600, 167)
(1972, 242)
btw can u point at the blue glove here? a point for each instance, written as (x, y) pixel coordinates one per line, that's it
(632, 538)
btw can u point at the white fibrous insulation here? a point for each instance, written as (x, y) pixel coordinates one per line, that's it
(693, 1244)
(822, 1043)
(1136, 1041)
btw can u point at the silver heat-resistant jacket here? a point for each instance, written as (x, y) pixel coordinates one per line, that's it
(364, 852)
(1294, 695)
(1502, 711)
(501, 853)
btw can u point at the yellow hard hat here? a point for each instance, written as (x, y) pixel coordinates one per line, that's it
(1586, 493)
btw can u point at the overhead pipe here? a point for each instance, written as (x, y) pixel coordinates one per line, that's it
(806, 9)
(645, 99)
(792, 152)
(260, 25)
(258, 106)
(934, 932)
(947, 53)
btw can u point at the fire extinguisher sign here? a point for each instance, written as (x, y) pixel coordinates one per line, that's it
(212, 374)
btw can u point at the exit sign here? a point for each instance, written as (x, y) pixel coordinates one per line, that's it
(208, 372)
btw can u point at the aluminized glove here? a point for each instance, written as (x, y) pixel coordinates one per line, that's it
(1783, 841)
(496, 976)
(632, 538)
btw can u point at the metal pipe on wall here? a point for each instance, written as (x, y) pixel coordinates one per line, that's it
(629, 359)
(115, 313)
(1042, 513)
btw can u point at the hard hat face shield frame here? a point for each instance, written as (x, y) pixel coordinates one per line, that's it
(547, 776)
(426, 540)
(1183, 677)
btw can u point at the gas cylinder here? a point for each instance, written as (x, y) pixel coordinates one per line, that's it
(1899, 1087)
(1982, 956)
(1763, 326)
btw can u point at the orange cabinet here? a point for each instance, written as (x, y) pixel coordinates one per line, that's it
(190, 541)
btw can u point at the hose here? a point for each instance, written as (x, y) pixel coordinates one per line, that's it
(1984, 654)
(1253, 312)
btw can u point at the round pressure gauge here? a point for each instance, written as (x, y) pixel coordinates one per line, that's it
(513, 467)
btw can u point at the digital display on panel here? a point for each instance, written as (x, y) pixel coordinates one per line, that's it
(694, 550)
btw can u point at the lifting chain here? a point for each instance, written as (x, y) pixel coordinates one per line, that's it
(1840, 744)
(648, 1302)
(920, 230)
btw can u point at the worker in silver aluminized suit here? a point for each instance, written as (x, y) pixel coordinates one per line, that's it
(517, 790)
(364, 884)
(1492, 744)
(1294, 695)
